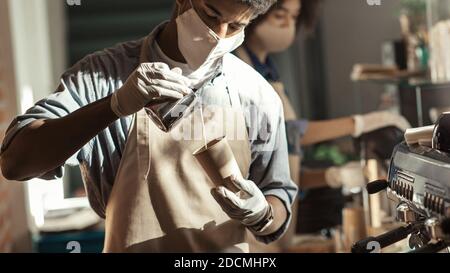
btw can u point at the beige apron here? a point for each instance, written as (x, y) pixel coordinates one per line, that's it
(294, 163)
(161, 200)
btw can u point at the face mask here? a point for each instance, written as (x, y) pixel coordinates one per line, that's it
(273, 38)
(199, 44)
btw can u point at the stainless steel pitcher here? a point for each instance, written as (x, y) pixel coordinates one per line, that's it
(167, 114)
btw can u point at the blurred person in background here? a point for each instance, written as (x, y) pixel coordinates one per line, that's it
(275, 32)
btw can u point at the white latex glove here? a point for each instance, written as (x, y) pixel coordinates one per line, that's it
(349, 176)
(249, 205)
(422, 136)
(150, 81)
(377, 120)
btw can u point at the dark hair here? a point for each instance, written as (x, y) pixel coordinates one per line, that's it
(309, 14)
(307, 18)
(259, 6)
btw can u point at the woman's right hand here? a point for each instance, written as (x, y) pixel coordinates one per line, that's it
(377, 120)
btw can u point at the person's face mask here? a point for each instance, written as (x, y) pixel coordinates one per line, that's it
(198, 43)
(275, 38)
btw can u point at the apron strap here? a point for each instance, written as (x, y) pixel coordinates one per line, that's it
(142, 141)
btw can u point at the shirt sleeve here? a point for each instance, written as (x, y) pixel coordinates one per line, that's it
(77, 88)
(270, 168)
(295, 130)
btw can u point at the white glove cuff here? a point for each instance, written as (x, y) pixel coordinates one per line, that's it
(358, 125)
(263, 224)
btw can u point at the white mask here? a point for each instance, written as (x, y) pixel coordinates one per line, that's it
(200, 44)
(273, 38)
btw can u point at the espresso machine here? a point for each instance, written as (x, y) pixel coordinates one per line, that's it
(418, 184)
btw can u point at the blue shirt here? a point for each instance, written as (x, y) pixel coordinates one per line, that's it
(267, 69)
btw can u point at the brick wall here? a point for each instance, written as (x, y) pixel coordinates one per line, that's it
(7, 111)
(5, 219)
(5, 209)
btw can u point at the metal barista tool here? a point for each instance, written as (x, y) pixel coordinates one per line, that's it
(439, 234)
(414, 225)
(168, 113)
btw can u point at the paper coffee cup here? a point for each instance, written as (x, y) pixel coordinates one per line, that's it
(218, 161)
